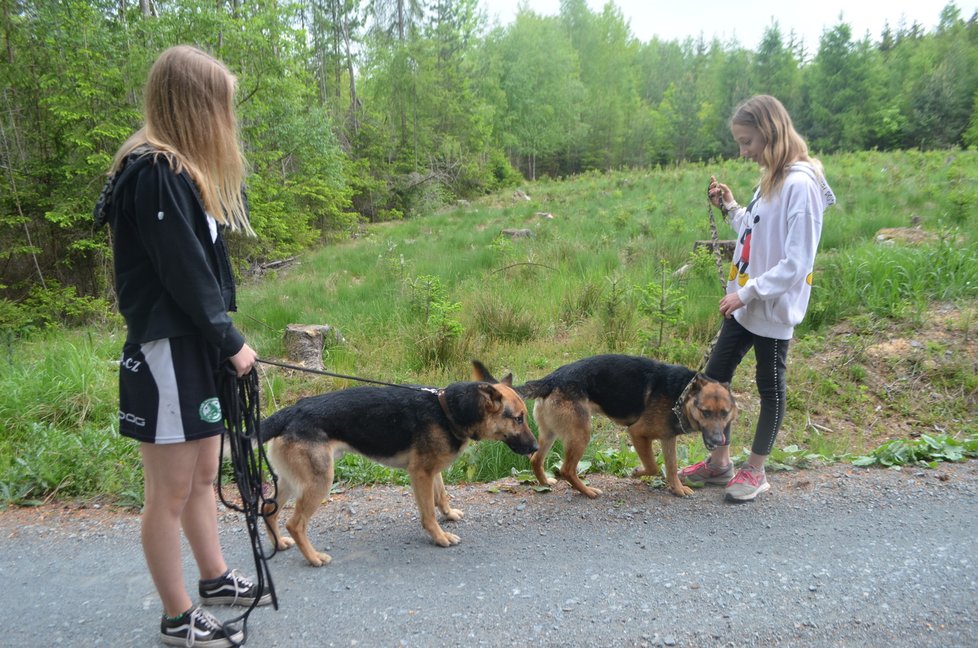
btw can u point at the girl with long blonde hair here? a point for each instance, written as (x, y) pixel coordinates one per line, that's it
(770, 279)
(174, 185)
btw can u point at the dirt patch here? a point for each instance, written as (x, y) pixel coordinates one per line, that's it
(877, 380)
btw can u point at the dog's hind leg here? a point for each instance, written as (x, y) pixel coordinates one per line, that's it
(573, 452)
(270, 513)
(442, 501)
(573, 419)
(284, 491)
(545, 441)
(423, 483)
(314, 473)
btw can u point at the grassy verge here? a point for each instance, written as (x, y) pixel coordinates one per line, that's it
(887, 354)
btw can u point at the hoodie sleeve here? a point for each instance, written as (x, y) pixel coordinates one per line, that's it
(166, 208)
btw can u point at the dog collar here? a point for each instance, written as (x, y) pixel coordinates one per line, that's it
(681, 418)
(678, 409)
(454, 427)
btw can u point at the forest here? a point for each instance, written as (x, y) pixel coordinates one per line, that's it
(364, 111)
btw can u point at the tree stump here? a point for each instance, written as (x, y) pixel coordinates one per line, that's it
(518, 233)
(304, 343)
(726, 247)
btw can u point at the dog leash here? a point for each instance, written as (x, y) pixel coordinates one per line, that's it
(285, 365)
(677, 408)
(440, 393)
(715, 241)
(242, 418)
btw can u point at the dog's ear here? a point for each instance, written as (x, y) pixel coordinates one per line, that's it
(491, 397)
(702, 379)
(479, 372)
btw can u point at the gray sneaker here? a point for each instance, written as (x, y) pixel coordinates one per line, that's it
(706, 473)
(748, 483)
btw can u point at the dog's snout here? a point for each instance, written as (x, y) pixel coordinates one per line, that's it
(713, 438)
(524, 443)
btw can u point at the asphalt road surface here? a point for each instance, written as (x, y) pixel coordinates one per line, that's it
(836, 556)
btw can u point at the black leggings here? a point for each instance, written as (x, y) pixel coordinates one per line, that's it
(772, 356)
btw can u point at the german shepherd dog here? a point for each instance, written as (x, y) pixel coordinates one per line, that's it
(421, 431)
(633, 391)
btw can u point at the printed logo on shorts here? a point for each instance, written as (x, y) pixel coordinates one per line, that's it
(210, 410)
(127, 417)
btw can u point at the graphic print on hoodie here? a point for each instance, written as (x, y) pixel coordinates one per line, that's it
(739, 268)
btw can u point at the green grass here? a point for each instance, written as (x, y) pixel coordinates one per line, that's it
(416, 300)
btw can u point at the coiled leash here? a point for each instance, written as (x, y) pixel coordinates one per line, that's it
(677, 408)
(242, 419)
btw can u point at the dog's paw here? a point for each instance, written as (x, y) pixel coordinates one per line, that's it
(454, 514)
(681, 490)
(591, 492)
(319, 559)
(642, 472)
(285, 543)
(447, 540)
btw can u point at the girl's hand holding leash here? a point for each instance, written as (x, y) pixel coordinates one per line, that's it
(720, 195)
(243, 360)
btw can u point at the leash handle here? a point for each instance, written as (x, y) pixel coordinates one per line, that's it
(242, 419)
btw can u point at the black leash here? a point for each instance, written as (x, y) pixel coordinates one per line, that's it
(242, 419)
(431, 390)
(453, 426)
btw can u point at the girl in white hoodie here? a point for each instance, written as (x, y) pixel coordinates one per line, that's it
(770, 279)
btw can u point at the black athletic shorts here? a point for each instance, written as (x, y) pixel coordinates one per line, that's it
(168, 390)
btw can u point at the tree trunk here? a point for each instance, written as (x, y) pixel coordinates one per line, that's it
(354, 107)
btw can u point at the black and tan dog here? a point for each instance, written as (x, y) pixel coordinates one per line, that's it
(633, 391)
(421, 431)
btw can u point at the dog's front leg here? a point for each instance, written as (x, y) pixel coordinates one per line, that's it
(423, 485)
(646, 453)
(441, 500)
(673, 482)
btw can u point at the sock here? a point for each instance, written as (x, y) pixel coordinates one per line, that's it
(177, 617)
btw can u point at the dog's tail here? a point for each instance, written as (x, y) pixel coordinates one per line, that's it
(534, 389)
(272, 426)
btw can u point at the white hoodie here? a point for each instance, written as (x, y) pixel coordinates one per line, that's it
(775, 254)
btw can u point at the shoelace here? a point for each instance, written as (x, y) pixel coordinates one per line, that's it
(690, 470)
(204, 620)
(241, 584)
(745, 475)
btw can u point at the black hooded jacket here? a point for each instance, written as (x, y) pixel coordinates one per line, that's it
(171, 279)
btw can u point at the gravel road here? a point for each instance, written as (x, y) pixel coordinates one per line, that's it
(836, 556)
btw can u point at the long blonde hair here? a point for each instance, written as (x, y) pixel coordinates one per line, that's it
(782, 143)
(190, 120)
